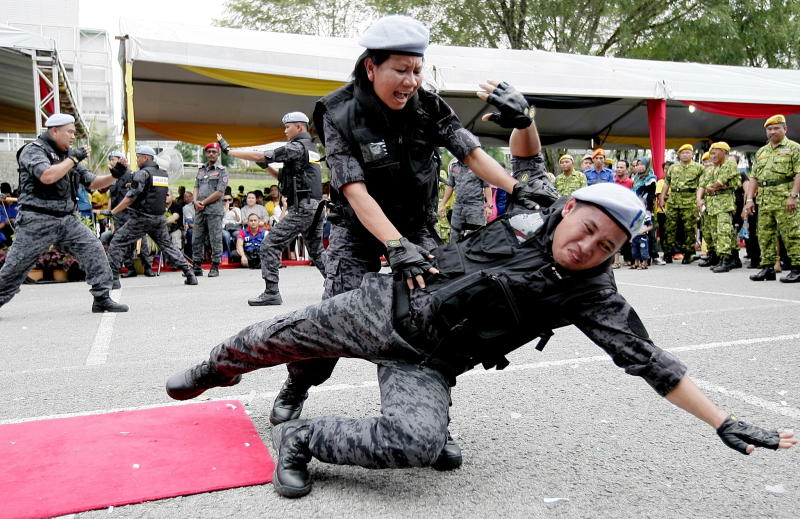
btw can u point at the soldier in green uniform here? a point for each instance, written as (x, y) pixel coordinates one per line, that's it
(570, 179)
(715, 192)
(680, 184)
(775, 180)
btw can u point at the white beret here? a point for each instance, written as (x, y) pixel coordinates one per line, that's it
(295, 117)
(399, 33)
(115, 153)
(59, 120)
(145, 150)
(619, 203)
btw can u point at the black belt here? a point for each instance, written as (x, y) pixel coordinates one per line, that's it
(771, 183)
(719, 192)
(683, 190)
(49, 212)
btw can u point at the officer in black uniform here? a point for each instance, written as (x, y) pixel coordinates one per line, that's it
(117, 192)
(145, 202)
(49, 175)
(554, 264)
(300, 181)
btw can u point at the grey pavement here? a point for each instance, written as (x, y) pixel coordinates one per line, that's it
(563, 423)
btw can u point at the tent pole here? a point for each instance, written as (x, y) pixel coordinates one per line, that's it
(130, 125)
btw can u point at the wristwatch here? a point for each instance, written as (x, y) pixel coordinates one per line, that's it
(795, 195)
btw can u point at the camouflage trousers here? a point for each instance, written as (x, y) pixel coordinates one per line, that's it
(412, 427)
(350, 256)
(680, 218)
(466, 218)
(719, 233)
(298, 220)
(209, 225)
(144, 249)
(137, 226)
(35, 233)
(774, 221)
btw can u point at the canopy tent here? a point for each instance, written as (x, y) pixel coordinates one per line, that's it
(34, 83)
(186, 83)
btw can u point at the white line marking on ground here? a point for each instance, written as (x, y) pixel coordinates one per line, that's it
(693, 291)
(102, 340)
(249, 398)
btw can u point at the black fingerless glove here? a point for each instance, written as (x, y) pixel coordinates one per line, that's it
(78, 154)
(534, 193)
(737, 435)
(223, 145)
(407, 259)
(118, 170)
(514, 109)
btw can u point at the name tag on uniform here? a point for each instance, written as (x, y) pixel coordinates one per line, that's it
(215, 174)
(160, 181)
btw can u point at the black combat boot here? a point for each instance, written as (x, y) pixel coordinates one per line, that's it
(270, 296)
(737, 261)
(688, 257)
(792, 277)
(115, 283)
(148, 272)
(131, 273)
(194, 381)
(450, 457)
(104, 303)
(710, 260)
(289, 402)
(191, 279)
(767, 273)
(668, 258)
(292, 454)
(214, 272)
(725, 264)
(198, 271)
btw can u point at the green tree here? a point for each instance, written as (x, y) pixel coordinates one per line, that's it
(338, 18)
(188, 151)
(100, 140)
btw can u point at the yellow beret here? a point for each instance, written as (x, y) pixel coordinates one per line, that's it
(775, 119)
(706, 156)
(566, 156)
(598, 151)
(609, 160)
(686, 147)
(721, 145)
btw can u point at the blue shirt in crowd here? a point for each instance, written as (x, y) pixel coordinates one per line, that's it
(595, 177)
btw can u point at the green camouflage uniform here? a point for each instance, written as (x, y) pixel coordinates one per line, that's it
(567, 184)
(681, 207)
(718, 219)
(774, 171)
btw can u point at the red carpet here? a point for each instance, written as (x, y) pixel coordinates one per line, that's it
(68, 465)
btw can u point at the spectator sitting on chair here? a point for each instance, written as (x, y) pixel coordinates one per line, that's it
(249, 242)
(253, 207)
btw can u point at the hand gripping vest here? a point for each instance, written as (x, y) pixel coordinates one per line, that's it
(303, 178)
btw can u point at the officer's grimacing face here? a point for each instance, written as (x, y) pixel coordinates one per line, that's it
(776, 132)
(586, 237)
(63, 136)
(685, 156)
(395, 80)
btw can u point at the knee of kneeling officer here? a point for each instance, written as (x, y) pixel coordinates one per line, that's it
(418, 444)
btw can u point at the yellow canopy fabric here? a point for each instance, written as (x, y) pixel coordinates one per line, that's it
(17, 120)
(644, 142)
(271, 82)
(202, 134)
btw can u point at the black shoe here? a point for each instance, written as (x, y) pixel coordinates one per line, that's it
(148, 272)
(214, 272)
(115, 283)
(725, 265)
(290, 446)
(709, 261)
(198, 272)
(106, 304)
(754, 264)
(266, 299)
(289, 402)
(792, 277)
(194, 381)
(687, 258)
(667, 258)
(190, 278)
(737, 261)
(450, 457)
(131, 273)
(767, 273)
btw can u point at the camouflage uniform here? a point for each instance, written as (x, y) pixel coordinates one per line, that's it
(208, 222)
(50, 219)
(566, 184)
(117, 191)
(774, 171)
(412, 427)
(681, 210)
(720, 205)
(468, 210)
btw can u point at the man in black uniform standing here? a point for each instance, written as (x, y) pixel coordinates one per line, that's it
(145, 201)
(49, 175)
(301, 183)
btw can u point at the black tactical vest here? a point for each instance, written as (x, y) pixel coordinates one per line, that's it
(396, 150)
(35, 193)
(302, 178)
(153, 198)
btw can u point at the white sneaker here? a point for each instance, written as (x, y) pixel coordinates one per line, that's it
(660, 261)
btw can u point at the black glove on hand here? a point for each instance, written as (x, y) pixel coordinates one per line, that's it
(407, 259)
(514, 109)
(118, 170)
(534, 194)
(78, 154)
(737, 435)
(223, 145)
